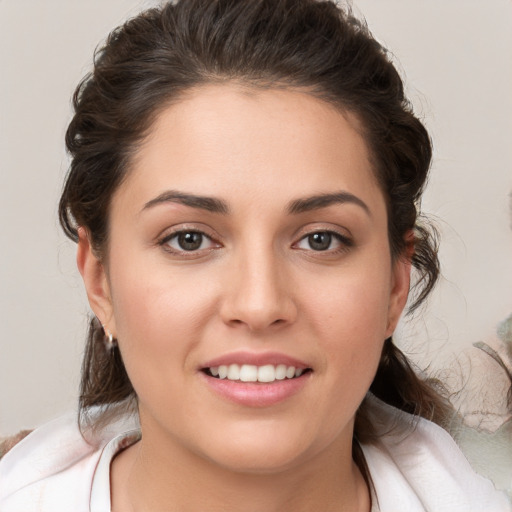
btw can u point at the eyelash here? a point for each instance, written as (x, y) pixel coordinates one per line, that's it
(164, 242)
(345, 242)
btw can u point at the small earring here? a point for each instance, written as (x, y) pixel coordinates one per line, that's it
(110, 342)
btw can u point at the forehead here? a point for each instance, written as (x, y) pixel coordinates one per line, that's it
(227, 140)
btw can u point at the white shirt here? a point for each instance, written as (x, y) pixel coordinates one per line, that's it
(55, 470)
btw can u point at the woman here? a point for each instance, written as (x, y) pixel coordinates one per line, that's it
(243, 192)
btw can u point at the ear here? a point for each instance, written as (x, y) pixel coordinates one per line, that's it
(96, 283)
(400, 284)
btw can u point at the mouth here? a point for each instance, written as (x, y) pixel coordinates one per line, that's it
(267, 373)
(259, 380)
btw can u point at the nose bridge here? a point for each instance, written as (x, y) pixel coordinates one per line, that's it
(259, 294)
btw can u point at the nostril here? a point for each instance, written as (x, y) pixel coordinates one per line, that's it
(256, 309)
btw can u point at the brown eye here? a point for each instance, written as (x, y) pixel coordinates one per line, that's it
(323, 241)
(188, 241)
(320, 241)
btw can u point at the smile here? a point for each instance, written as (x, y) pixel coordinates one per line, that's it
(256, 379)
(251, 373)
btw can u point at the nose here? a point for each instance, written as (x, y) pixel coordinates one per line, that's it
(259, 294)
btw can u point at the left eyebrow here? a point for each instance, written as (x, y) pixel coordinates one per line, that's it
(210, 204)
(319, 201)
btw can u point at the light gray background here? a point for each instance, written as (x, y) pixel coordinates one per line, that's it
(457, 57)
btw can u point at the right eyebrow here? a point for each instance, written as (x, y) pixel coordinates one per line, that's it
(210, 204)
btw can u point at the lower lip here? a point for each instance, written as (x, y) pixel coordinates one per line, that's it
(257, 394)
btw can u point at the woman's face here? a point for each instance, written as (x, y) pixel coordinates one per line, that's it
(249, 238)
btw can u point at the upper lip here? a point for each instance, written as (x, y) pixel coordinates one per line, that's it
(256, 359)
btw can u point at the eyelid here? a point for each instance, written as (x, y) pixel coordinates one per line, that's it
(312, 228)
(169, 233)
(345, 240)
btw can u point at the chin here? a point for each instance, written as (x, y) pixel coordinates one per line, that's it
(251, 461)
(260, 450)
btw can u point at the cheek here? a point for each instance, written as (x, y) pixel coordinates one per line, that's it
(350, 316)
(159, 319)
(150, 295)
(355, 305)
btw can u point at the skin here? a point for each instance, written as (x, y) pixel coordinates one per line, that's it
(256, 284)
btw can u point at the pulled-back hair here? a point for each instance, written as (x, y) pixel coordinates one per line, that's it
(153, 59)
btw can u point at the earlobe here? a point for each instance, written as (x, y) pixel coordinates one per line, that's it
(95, 280)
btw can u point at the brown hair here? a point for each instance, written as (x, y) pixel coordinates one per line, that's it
(155, 57)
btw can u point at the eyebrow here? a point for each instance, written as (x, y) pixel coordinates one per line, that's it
(214, 205)
(319, 201)
(210, 204)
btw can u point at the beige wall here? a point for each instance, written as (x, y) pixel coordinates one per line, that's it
(457, 55)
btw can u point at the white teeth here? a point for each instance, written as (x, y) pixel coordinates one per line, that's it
(266, 373)
(280, 371)
(233, 372)
(252, 373)
(223, 371)
(248, 373)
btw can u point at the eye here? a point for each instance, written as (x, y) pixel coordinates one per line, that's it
(188, 241)
(323, 241)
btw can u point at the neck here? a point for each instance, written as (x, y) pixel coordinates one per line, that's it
(168, 478)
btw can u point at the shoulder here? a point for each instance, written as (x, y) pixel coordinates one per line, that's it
(416, 466)
(52, 468)
(8, 443)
